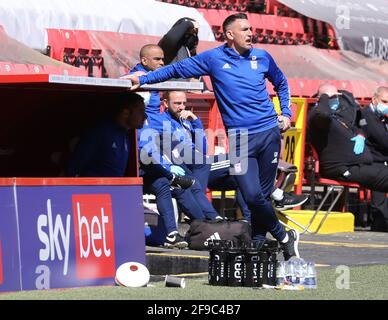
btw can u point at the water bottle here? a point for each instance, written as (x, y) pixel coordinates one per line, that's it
(251, 265)
(235, 267)
(280, 273)
(218, 261)
(310, 280)
(271, 271)
(268, 259)
(290, 271)
(299, 271)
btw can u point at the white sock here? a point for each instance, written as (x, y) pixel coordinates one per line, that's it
(286, 238)
(278, 194)
(173, 233)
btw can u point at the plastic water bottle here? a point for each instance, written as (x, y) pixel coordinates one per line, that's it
(281, 273)
(290, 271)
(251, 270)
(300, 273)
(310, 280)
(218, 263)
(235, 267)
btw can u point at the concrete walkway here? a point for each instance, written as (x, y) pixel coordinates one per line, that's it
(358, 248)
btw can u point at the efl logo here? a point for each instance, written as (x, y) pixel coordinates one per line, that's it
(94, 236)
(1, 266)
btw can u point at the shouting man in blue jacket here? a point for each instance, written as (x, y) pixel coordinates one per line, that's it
(238, 73)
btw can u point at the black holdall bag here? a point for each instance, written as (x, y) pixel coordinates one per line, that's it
(202, 232)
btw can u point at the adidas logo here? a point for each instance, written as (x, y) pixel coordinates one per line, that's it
(114, 146)
(214, 236)
(275, 155)
(171, 238)
(226, 66)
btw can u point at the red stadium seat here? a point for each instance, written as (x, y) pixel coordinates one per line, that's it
(299, 32)
(82, 40)
(213, 17)
(270, 27)
(344, 85)
(96, 63)
(310, 87)
(76, 48)
(63, 45)
(292, 29)
(295, 88)
(258, 27)
(56, 43)
(68, 38)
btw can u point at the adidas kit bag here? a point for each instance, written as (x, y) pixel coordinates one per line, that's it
(203, 231)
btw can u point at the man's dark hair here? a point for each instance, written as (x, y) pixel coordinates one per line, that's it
(124, 100)
(232, 18)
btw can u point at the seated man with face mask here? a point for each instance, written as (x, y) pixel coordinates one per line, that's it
(334, 132)
(374, 123)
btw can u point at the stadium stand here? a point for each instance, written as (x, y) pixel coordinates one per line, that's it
(74, 47)
(273, 22)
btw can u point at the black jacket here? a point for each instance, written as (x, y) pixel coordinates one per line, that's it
(375, 128)
(174, 42)
(330, 133)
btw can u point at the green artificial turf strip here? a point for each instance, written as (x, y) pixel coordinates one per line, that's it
(366, 282)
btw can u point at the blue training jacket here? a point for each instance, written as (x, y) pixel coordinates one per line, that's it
(153, 107)
(239, 83)
(185, 132)
(149, 142)
(101, 152)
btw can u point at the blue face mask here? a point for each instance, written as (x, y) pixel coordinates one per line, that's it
(334, 103)
(382, 109)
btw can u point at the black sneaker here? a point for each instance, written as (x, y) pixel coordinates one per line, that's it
(290, 248)
(175, 241)
(182, 182)
(290, 200)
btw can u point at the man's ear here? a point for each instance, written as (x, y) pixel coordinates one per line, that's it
(164, 105)
(374, 101)
(229, 35)
(144, 61)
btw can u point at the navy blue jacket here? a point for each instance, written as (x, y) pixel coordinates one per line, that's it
(101, 152)
(239, 84)
(148, 139)
(185, 133)
(376, 132)
(330, 136)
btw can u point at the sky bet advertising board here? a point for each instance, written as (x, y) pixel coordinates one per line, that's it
(69, 236)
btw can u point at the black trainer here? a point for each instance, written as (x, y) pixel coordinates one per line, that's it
(290, 248)
(175, 240)
(182, 181)
(290, 200)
